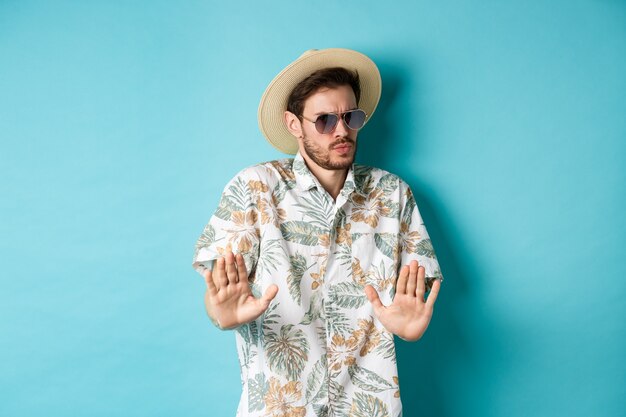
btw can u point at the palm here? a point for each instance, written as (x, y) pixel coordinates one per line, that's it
(409, 315)
(229, 300)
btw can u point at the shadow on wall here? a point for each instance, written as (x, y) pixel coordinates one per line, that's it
(444, 349)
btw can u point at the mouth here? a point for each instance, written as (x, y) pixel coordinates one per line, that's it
(342, 147)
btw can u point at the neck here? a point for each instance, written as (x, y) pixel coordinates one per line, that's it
(331, 179)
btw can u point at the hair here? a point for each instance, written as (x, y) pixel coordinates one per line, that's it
(323, 78)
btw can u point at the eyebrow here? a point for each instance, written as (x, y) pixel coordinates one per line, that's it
(332, 112)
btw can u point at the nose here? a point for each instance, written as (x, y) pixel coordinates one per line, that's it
(341, 130)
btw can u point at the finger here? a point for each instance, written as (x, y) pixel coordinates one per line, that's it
(421, 283)
(434, 291)
(411, 284)
(402, 278)
(220, 278)
(374, 299)
(231, 270)
(241, 269)
(210, 285)
(268, 296)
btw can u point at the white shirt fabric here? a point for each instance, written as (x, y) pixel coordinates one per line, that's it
(318, 350)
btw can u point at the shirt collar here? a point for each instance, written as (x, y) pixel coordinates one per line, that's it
(306, 180)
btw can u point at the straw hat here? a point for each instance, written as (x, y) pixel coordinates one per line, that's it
(274, 101)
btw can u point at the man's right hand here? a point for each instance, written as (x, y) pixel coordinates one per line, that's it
(228, 299)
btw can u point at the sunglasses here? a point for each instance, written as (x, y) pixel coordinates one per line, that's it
(327, 122)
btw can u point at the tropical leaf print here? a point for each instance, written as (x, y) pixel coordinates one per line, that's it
(425, 248)
(396, 381)
(358, 276)
(254, 332)
(342, 351)
(409, 206)
(343, 235)
(366, 405)
(320, 332)
(284, 169)
(243, 231)
(349, 295)
(244, 332)
(270, 318)
(393, 208)
(386, 348)
(301, 232)
(257, 389)
(235, 198)
(246, 355)
(208, 236)
(287, 352)
(317, 387)
(340, 324)
(321, 410)
(257, 186)
(316, 350)
(240, 193)
(357, 236)
(368, 380)
(380, 277)
(270, 212)
(300, 167)
(279, 191)
(315, 309)
(368, 336)
(343, 254)
(340, 218)
(316, 206)
(316, 280)
(388, 183)
(271, 254)
(387, 243)
(348, 186)
(363, 178)
(369, 209)
(226, 207)
(338, 404)
(408, 239)
(296, 271)
(282, 400)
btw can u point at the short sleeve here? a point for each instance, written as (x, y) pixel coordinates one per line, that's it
(233, 226)
(414, 241)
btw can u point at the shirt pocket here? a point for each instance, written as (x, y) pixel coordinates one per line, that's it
(375, 261)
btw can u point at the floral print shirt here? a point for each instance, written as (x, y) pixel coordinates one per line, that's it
(318, 350)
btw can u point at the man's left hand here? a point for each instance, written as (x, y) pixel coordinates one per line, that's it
(409, 314)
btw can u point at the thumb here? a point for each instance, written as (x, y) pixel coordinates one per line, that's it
(372, 296)
(269, 295)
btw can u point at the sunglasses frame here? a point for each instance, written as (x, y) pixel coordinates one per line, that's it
(340, 116)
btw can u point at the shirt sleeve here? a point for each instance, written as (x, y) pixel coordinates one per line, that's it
(233, 226)
(414, 241)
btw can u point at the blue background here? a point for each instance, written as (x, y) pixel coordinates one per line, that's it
(120, 122)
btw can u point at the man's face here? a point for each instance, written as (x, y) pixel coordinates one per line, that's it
(335, 150)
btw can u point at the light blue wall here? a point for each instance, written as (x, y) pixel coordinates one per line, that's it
(120, 122)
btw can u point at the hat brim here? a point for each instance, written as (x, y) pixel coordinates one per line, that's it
(274, 100)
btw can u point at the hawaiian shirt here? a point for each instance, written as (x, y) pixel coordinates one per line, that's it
(318, 350)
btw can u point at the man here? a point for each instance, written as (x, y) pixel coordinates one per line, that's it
(316, 261)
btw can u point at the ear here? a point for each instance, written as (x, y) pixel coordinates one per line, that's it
(293, 124)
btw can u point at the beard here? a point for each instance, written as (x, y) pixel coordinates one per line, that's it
(322, 156)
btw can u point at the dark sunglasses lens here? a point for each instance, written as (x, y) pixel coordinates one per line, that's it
(325, 123)
(355, 119)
